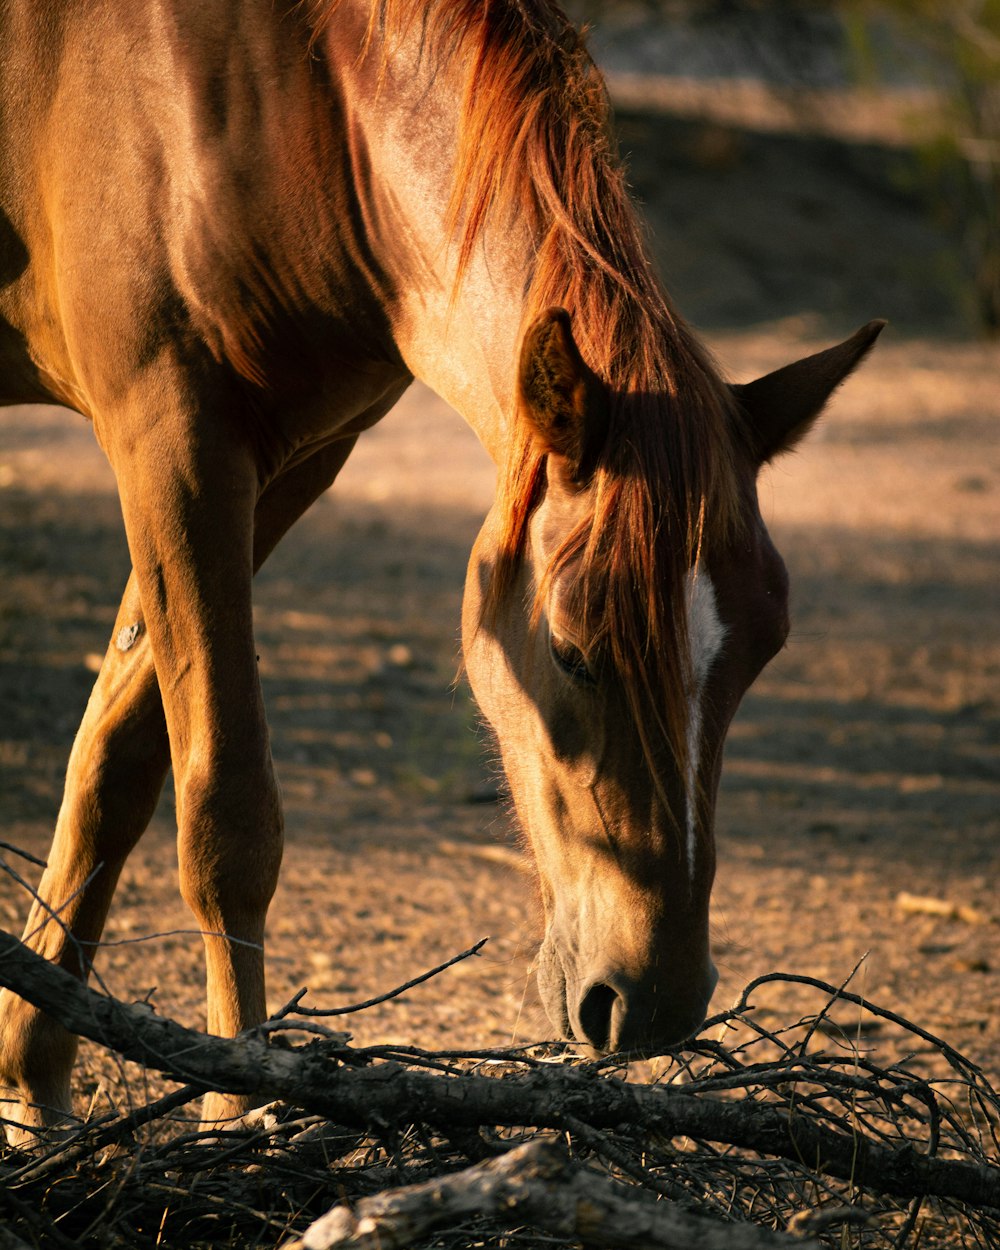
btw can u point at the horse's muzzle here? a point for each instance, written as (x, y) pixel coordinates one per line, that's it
(613, 1013)
(614, 1016)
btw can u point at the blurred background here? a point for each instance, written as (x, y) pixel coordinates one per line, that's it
(858, 142)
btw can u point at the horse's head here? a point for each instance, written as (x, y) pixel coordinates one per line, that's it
(610, 700)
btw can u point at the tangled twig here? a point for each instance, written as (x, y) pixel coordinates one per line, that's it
(771, 1132)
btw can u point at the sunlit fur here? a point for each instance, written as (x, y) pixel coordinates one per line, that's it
(535, 146)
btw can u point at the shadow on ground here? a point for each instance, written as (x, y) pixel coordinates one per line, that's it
(884, 705)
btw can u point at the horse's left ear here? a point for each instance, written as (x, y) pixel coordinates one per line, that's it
(564, 401)
(782, 406)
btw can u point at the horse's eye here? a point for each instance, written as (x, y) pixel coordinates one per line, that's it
(571, 660)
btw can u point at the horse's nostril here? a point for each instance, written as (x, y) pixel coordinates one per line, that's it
(596, 1011)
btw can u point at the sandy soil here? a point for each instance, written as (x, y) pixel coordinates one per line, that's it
(866, 761)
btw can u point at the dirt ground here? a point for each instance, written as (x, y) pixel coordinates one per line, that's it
(865, 762)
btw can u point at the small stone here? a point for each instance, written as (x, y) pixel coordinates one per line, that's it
(973, 964)
(974, 484)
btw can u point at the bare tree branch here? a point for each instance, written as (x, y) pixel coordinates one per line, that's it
(293, 1005)
(320, 1078)
(535, 1183)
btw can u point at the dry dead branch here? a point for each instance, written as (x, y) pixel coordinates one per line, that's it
(924, 905)
(538, 1184)
(321, 1078)
(767, 1130)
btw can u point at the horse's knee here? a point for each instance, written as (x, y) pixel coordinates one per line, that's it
(230, 841)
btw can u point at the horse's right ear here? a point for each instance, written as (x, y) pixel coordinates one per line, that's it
(564, 402)
(781, 407)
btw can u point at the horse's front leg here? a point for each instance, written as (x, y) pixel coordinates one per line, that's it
(116, 771)
(189, 484)
(114, 778)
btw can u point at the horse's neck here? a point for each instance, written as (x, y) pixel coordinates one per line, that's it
(407, 114)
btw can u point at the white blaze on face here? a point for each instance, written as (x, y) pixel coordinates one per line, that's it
(706, 634)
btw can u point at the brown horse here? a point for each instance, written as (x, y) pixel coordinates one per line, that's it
(232, 233)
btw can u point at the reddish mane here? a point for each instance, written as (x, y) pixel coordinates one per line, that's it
(535, 144)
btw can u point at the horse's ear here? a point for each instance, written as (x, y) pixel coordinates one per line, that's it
(564, 402)
(782, 406)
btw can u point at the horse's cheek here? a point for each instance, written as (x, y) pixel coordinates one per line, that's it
(492, 684)
(569, 736)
